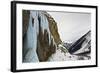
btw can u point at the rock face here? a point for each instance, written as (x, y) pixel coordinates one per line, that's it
(53, 28)
(25, 16)
(40, 36)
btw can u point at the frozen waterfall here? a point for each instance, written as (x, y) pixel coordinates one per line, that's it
(30, 40)
(30, 43)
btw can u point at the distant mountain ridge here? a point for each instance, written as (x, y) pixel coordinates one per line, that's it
(84, 41)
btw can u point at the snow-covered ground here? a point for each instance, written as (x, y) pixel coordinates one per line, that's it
(62, 54)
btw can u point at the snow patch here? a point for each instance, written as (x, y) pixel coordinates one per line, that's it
(59, 55)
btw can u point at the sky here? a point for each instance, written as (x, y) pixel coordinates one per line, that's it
(71, 26)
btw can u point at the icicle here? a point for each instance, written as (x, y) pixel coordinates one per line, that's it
(44, 24)
(36, 22)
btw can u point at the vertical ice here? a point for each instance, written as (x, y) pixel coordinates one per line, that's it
(31, 39)
(30, 42)
(44, 24)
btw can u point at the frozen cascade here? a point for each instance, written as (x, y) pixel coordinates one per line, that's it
(30, 42)
(31, 39)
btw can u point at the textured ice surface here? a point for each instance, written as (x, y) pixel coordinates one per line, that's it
(30, 43)
(31, 39)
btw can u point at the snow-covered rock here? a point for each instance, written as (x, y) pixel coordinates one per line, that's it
(61, 55)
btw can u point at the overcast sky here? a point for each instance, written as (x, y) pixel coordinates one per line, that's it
(71, 26)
